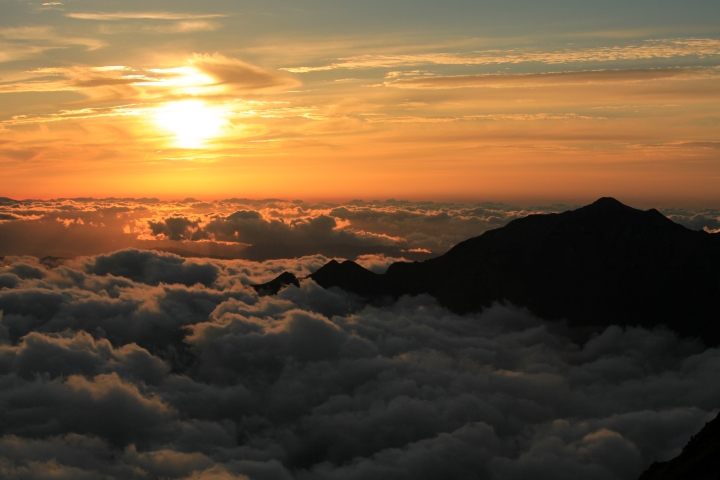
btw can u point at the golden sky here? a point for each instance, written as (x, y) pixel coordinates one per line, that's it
(484, 100)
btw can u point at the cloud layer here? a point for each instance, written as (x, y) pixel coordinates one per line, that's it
(112, 367)
(263, 229)
(242, 228)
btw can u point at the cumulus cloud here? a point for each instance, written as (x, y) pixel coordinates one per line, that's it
(265, 229)
(111, 371)
(249, 226)
(104, 405)
(151, 268)
(244, 228)
(707, 219)
(57, 355)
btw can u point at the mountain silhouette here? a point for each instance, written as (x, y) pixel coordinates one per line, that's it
(699, 459)
(602, 264)
(273, 286)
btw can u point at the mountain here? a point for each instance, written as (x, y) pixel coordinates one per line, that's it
(699, 459)
(273, 286)
(602, 264)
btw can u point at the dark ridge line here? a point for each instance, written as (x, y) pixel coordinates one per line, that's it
(602, 264)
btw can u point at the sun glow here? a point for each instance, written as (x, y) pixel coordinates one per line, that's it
(183, 80)
(192, 122)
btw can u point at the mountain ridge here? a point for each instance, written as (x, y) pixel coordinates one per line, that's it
(698, 460)
(602, 264)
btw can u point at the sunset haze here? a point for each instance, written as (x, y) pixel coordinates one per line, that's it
(513, 100)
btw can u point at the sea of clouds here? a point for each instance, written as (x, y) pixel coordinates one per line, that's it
(145, 365)
(263, 229)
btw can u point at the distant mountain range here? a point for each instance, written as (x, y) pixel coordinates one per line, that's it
(602, 264)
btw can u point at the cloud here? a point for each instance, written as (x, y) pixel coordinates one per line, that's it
(668, 48)
(216, 473)
(161, 22)
(272, 228)
(153, 268)
(249, 226)
(105, 406)
(238, 74)
(85, 113)
(105, 374)
(76, 451)
(177, 228)
(202, 76)
(142, 16)
(18, 43)
(377, 263)
(523, 117)
(707, 219)
(185, 26)
(59, 355)
(546, 79)
(43, 38)
(681, 145)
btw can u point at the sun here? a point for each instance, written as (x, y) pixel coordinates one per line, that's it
(193, 122)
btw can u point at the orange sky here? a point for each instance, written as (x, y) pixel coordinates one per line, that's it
(175, 102)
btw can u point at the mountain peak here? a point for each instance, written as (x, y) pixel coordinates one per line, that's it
(609, 205)
(608, 209)
(602, 264)
(349, 276)
(608, 202)
(275, 285)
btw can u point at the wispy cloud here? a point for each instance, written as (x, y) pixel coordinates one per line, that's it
(187, 26)
(84, 113)
(10, 52)
(143, 16)
(22, 42)
(490, 117)
(690, 145)
(204, 75)
(549, 79)
(647, 50)
(230, 71)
